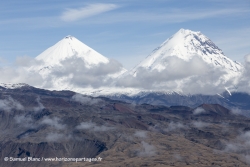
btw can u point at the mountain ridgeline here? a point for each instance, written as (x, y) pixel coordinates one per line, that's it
(186, 58)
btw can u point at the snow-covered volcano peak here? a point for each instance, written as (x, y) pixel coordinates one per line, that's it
(184, 31)
(187, 32)
(70, 47)
(69, 37)
(72, 65)
(186, 44)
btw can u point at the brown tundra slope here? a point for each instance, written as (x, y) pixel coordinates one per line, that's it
(41, 124)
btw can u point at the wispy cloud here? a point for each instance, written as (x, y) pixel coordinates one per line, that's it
(240, 145)
(40, 106)
(51, 137)
(147, 150)
(85, 99)
(198, 111)
(237, 111)
(141, 134)
(93, 127)
(25, 121)
(171, 16)
(174, 126)
(54, 122)
(88, 11)
(200, 125)
(9, 103)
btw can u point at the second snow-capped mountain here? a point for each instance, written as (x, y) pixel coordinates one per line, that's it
(187, 62)
(187, 44)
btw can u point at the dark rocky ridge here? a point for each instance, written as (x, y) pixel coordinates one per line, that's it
(238, 100)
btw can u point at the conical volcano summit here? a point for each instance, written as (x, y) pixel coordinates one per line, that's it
(186, 44)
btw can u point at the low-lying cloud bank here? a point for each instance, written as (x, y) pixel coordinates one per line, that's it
(190, 77)
(193, 76)
(79, 74)
(18, 73)
(69, 73)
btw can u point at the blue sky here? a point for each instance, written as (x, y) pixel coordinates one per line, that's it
(125, 30)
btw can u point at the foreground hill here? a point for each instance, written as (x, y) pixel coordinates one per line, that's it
(39, 123)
